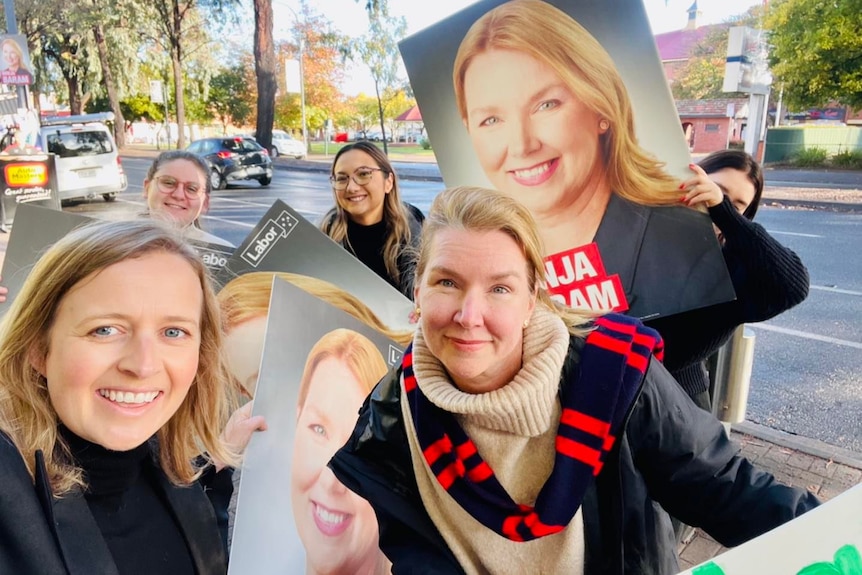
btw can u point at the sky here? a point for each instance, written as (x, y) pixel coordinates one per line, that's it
(349, 17)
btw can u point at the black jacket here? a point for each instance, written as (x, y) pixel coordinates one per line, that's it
(768, 279)
(667, 258)
(44, 535)
(671, 453)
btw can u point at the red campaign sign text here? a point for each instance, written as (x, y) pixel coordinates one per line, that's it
(577, 278)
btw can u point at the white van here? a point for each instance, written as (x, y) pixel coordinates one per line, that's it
(88, 164)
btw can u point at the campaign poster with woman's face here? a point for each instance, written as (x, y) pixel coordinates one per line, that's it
(293, 515)
(564, 106)
(15, 66)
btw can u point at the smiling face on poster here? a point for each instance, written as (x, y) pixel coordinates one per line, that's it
(318, 365)
(15, 67)
(532, 97)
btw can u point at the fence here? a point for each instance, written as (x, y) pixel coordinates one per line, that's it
(785, 142)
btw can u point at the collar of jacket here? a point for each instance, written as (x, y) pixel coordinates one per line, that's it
(85, 551)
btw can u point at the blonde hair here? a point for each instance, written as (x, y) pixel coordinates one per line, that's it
(551, 36)
(247, 297)
(482, 210)
(26, 412)
(351, 348)
(398, 234)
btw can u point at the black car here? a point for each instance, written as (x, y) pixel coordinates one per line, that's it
(234, 158)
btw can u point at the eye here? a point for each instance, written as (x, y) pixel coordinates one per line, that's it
(364, 173)
(446, 283)
(168, 182)
(548, 105)
(500, 290)
(105, 331)
(193, 189)
(340, 179)
(317, 429)
(490, 121)
(175, 332)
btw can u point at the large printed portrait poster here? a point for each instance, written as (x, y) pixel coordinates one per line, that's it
(564, 106)
(318, 365)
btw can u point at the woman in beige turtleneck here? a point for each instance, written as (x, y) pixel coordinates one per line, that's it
(523, 437)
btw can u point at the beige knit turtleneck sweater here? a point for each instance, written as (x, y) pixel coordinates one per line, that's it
(514, 429)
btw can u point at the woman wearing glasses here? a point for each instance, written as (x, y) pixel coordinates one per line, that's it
(177, 188)
(369, 219)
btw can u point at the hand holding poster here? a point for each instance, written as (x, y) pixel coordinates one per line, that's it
(532, 97)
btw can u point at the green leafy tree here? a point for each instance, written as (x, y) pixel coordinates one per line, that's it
(702, 76)
(816, 52)
(229, 98)
(378, 49)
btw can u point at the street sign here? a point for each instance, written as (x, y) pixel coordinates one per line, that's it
(157, 95)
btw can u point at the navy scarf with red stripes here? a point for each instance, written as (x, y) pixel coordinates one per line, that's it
(594, 404)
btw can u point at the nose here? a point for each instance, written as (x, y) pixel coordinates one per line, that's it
(140, 357)
(522, 138)
(330, 483)
(352, 186)
(471, 312)
(179, 192)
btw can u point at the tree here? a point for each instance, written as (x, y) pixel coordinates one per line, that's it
(702, 76)
(378, 49)
(264, 68)
(816, 52)
(229, 99)
(178, 23)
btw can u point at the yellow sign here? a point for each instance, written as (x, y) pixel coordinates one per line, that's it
(26, 174)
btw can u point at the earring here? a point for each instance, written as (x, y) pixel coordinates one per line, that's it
(526, 323)
(604, 125)
(417, 312)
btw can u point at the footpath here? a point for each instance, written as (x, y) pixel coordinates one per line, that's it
(823, 469)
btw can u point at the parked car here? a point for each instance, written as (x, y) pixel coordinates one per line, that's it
(283, 144)
(234, 158)
(410, 137)
(378, 136)
(87, 161)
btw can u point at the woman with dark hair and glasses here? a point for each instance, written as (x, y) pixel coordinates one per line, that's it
(768, 278)
(177, 189)
(369, 219)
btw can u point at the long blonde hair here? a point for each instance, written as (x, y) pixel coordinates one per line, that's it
(247, 297)
(26, 412)
(351, 348)
(551, 36)
(482, 210)
(398, 234)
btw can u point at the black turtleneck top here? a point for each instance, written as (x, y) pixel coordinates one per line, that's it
(129, 507)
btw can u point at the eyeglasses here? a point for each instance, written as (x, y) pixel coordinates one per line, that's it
(169, 184)
(361, 176)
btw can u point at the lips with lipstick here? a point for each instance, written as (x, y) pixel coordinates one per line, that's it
(536, 174)
(330, 522)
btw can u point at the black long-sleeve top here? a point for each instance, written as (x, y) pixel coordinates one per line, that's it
(768, 279)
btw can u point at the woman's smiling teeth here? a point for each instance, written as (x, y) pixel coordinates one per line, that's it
(331, 517)
(533, 172)
(128, 396)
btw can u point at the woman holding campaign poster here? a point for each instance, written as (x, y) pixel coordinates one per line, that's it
(551, 124)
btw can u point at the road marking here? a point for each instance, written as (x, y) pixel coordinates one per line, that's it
(795, 234)
(837, 290)
(806, 335)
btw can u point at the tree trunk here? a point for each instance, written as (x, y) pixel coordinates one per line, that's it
(265, 64)
(110, 87)
(176, 62)
(75, 105)
(380, 111)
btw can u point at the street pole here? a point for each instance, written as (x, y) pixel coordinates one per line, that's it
(302, 93)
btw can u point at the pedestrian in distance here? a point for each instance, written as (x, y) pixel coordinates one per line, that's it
(521, 436)
(369, 219)
(113, 397)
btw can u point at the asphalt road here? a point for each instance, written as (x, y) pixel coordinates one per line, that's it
(807, 375)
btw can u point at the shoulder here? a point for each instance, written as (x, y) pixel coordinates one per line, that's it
(414, 212)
